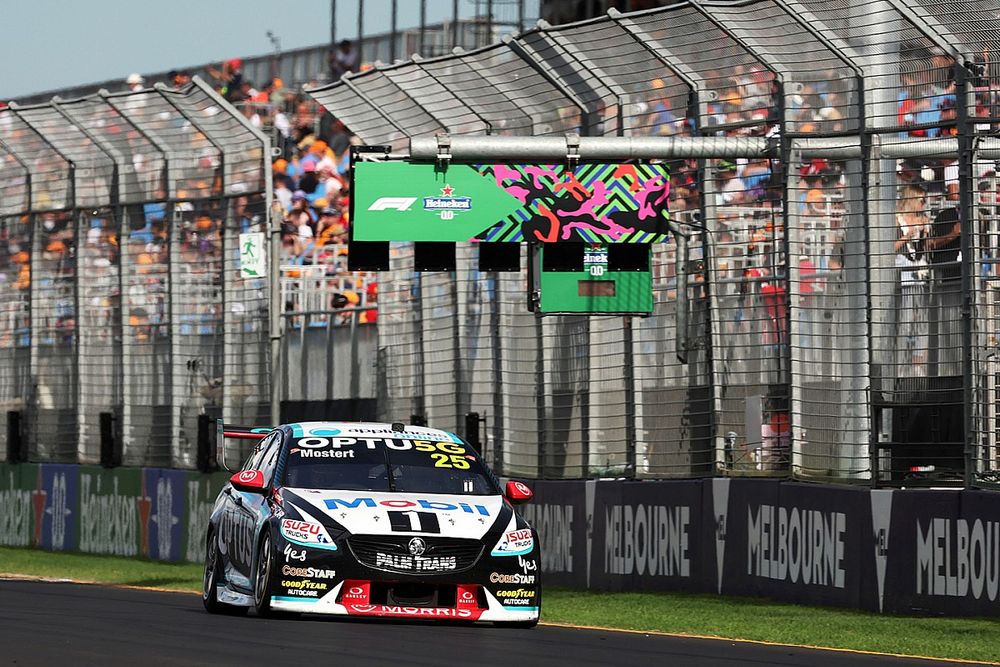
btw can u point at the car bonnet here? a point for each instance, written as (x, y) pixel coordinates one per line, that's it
(371, 513)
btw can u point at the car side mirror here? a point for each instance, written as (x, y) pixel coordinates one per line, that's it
(251, 481)
(518, 493)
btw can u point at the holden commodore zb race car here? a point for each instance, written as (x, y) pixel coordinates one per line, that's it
(369, 519)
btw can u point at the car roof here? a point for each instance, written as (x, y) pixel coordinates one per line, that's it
(362, 429)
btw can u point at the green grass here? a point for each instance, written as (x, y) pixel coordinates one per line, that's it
(103, 569)
(736, 618)
(765, 620)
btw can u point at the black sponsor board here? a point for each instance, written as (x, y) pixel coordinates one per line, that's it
(944, 553)
(898, 551)
(798, 542)
(910, 509)
(558, 514)
(647, 535)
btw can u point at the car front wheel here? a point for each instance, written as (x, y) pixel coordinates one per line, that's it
(212, 578)
(262, 577)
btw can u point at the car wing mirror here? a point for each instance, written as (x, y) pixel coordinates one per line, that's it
(518, 493)
(251, 481)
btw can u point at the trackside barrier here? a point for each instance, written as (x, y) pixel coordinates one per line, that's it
(894, 551)
(150, 512)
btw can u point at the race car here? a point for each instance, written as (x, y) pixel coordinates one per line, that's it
(369, 519)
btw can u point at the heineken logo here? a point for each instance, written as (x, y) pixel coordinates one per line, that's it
(447, 204)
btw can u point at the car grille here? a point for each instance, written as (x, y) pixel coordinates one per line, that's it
(442, 555)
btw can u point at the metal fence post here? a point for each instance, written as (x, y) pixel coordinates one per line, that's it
(48, 446)
(497, 370)
(966, 204)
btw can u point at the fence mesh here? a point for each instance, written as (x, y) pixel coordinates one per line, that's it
(117, 212)
(826, 337)
(841, 300)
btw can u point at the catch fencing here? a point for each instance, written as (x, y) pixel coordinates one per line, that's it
(123, 314)
(841, 206)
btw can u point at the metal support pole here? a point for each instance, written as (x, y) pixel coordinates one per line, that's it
(421, 48)
(540, 396)
(681, 316)
(393, 30)
(462, 396)
(481, 148)
(420, 400)
(628, 341)
(877, 44)
(717, 354)
(966, 204)
(497, 391)
(355, 388)
(361, 30)
(489, 21)
(333, 25)
(454, 24)
(331, 358)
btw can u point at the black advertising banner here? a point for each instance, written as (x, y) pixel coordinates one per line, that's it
(911, 551)
(941, 553)
(798, 542)
(977, 553)
(648, 536)
(730, 501)
(558, 513)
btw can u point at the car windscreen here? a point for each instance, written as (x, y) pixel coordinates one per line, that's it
(387, 464)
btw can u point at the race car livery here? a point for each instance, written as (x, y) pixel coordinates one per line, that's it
(370, 519)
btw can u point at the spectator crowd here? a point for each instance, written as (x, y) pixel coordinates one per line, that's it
(311, 181)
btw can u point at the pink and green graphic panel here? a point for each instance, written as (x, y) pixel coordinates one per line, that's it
(591, 203)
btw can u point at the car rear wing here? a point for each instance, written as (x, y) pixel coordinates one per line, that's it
(234, 432)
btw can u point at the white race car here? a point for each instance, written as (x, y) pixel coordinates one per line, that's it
(370, 519)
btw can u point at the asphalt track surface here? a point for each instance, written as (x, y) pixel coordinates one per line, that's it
(44, 623)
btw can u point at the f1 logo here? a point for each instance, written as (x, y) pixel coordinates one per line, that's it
(392, 204)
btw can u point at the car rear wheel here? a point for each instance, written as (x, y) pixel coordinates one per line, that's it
(212, 578)
(262, 577)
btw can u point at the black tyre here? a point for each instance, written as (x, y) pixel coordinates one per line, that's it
(212, 578)
(262, 576)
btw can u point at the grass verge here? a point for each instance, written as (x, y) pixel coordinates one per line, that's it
(696, 614)
(101, 569)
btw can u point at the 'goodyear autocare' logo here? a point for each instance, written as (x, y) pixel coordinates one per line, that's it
(447, 204)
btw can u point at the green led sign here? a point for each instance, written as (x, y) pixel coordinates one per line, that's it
(597, 289)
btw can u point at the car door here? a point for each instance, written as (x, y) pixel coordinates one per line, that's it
(242, 513)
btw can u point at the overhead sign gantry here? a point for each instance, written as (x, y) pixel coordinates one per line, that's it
(588, 225)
